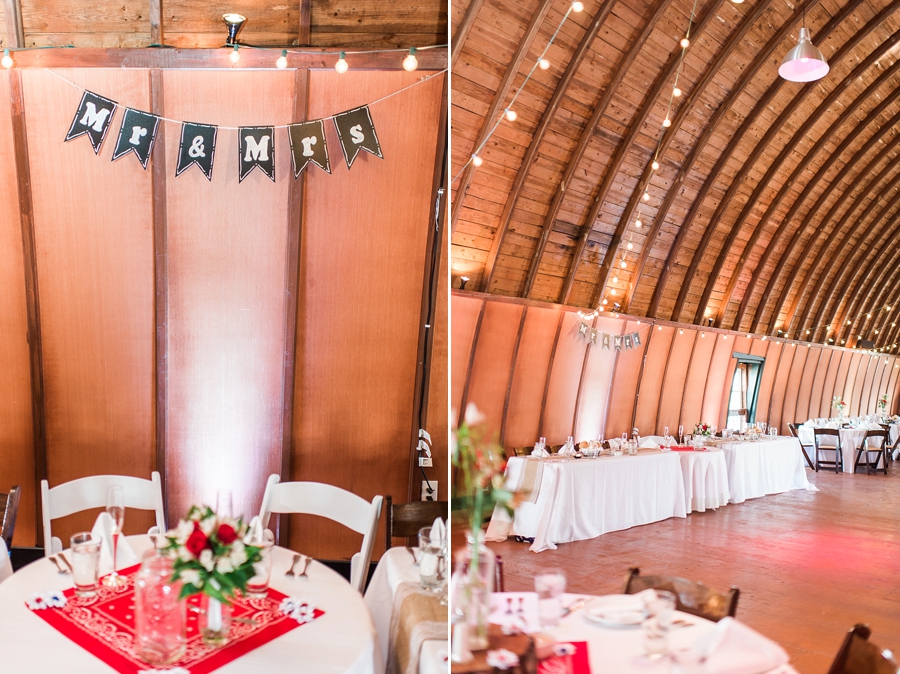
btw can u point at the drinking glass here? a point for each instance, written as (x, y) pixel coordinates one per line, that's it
(666, 431)
(258, 585)
(658, 623)
(773, 432)
(85, 563)
(762, 426)
(223, 504)
(115, 508)
(680, 434)
(688, 661)
(431, 553)
(624, 437)
(550, 585)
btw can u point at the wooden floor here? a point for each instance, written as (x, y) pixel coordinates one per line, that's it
(809, 565)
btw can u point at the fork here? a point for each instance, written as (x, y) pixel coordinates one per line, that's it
(66, 562)
(57, 565)
(302, 574)
(290, 572)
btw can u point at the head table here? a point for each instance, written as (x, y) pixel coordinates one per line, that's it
(343, 641)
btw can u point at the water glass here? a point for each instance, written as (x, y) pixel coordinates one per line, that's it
(85, 563)
(773, 432)
(762, 426)
(688, 661)
(258, 585)
(431, 557)
(656, 626)
(550, 585)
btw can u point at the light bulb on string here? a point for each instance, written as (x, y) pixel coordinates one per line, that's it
(630, 246)
(281, 61)
(7, 59)
(234, 56)
(655, 165)
(615, 279)
(638, 223)
(612, 291)
(624, 265)
(685, 43)
(511, 115)
(605, 301)
(676, 92)
(646, 196)
(341, 66)
(410, 63)
(577, 6)
(543, 64)
(476, 160)
(667, 123)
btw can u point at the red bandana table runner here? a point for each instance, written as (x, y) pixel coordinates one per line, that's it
(104, 626)
(568, 663)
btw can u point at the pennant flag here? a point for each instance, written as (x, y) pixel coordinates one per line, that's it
(583, 329)
(137, 135)
(636, 338)
(198, 146)
(593, 336)
(256, 147)
(92, 118)
(357, 132)
(628, 342)
(308, 145)
(605, 341)
(618, 342)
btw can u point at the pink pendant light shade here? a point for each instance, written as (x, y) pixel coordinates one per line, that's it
(804, 63)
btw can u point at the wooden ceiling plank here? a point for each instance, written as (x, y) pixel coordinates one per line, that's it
(304, 23)
(506, 85)
(15, 31)
(528, 160)
(157, 35)
(456, 44)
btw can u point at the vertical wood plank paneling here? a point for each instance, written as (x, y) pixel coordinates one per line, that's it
(546, 392)
(94, 251)
(362, 261)
(893, 403)
(492, 361)
(624, 384)
(529, 376)
(773, 354)
(792, 390)
(437, 418)
(818, 385)
(17, 302)
(695, 383)
(509, 384)
(676, 377)
(840, 381)
(867, 400)
(715, 378)
(651, 385)
(854, 381)
(562, 385)
(830, 387)
(226, 335)
(805, 394)
(741, 344)
(596, 385)
(779, 388)
(467, 314)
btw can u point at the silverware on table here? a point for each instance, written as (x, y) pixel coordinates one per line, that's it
(509, 601)
(308, 560)
(58, 566)
(66, 562)
(413, 553)
(574, 606)
(290, 572)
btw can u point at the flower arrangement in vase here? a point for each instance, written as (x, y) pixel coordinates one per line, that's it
(838, 403)
(213, 558)
(882, 403)
(703, 429)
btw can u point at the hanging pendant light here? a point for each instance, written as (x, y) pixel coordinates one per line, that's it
(804, 63)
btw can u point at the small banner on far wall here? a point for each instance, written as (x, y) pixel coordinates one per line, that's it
(256, 145)
(198, 146)
(357, 132)
(137, 135)
(308, 146)
(93, 118)
(630, 341)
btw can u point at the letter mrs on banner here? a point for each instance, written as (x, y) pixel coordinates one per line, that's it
(357, 132)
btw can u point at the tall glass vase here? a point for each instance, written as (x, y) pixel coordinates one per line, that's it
(214, 621)
(476, 566)
(159, 614)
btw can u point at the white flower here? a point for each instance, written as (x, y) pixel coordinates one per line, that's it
(208, 525)
(206, 560)
(502, 659)
(182, 532)
(224, 565)
(185, 555)
(238, 553)
(473, 415)
(564, 649)
(191, 577)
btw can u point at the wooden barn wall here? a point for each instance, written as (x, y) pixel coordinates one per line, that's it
(679, 375)
(102, 231)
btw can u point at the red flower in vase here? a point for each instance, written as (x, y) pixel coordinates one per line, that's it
(226, 534)
(197, 541)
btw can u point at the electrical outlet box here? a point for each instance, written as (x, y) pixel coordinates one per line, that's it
(425, 462)
(429, 493)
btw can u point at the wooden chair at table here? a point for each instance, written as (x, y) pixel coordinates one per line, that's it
(691, 597)
(890, 447)
(9, 507)
(864, 449)
(90, 492)
(403, 520)
(338, 505)
(838, 455)
(858, 655)
(795, 433)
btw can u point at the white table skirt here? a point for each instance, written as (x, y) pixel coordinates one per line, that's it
(585, 498)
(850, 440)
(765, 467)
(397, 566)
(343, 641)
(705, 477)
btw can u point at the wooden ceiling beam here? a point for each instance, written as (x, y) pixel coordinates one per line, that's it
(15, 31)
(537, 138)
(775, 167)
(462, 32)
(304, 23)
(612, 171)
(506, 85)
(156, 23)
(581, 147)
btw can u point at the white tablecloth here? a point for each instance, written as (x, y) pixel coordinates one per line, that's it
(584, 498)
(764, 467)
(397, 566)
(850, 440)
(705, 477)
(620, 651)
(343, 641)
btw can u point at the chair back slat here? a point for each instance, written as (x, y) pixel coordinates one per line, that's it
(858, 655)
(403, 520)
(692, 597)
(9, 508)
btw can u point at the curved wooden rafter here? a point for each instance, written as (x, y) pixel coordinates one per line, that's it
(637, 125)
(583, 142)
(537, 138)
(506, 85)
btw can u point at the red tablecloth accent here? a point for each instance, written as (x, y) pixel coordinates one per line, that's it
(104, 626)
(577, 663)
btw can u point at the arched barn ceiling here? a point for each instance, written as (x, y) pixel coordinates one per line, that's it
(775, 205)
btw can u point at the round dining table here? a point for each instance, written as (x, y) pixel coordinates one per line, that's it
(342, 641)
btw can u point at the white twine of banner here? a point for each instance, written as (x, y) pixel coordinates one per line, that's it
(277, 126)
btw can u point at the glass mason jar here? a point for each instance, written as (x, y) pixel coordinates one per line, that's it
(159, 615)
(476, 566)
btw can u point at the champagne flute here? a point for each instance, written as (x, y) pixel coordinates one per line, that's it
(680, 435)
(115, 508)
(223, 504)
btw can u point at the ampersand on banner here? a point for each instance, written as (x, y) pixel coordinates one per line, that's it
(198, 146)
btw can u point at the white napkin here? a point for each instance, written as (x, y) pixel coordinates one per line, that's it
(873, 426)
(649, 443)
(438, 530)
(539, 450)
(566, 451)
(734, 648)
(125, 556)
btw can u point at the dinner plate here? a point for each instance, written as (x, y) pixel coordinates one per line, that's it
(616, 611)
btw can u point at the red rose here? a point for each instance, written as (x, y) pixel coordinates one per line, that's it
(196, 541)
(226, 534)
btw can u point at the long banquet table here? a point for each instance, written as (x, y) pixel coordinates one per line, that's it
(343, 641)
(764, 467)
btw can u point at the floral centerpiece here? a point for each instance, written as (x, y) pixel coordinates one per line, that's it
(703, 429)
(882, 402)
(213, 557)
(838, 403)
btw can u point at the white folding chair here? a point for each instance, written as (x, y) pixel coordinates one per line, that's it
(90, 492)
(325, 500)
(6, 569)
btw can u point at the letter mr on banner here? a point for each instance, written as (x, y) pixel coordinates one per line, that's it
(256, 147)
(308, 146)
(137, 135)
(93, 118)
